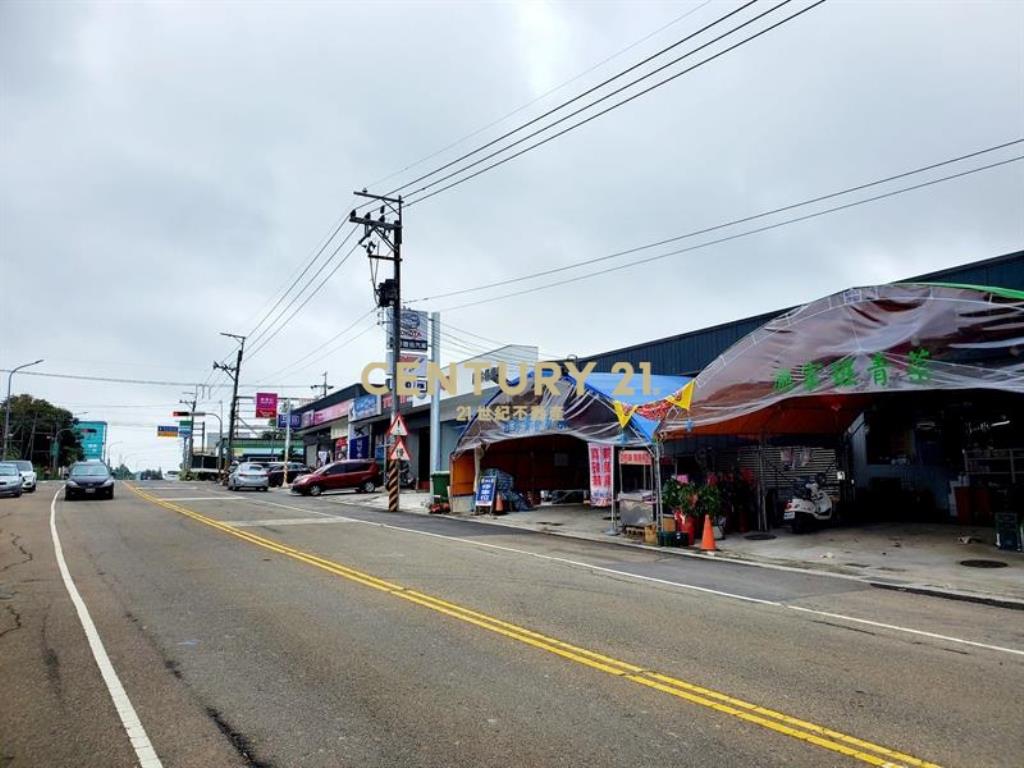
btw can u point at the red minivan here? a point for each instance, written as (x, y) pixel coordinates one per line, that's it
(361, 474)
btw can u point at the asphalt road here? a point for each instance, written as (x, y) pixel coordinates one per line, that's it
(270, 630)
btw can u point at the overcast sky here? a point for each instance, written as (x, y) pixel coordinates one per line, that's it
(167, 168)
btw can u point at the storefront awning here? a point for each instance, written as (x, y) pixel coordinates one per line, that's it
(812, 370)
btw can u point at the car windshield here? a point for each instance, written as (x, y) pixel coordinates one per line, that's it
(8, 469)
(24, 466)
(251, 468)
(88, 470)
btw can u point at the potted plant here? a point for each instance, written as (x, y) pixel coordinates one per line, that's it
(682, 497)
(709, 502)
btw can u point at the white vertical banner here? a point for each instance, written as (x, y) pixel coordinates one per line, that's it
(600, 475)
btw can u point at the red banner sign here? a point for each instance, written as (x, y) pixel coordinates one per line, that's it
(266, 405)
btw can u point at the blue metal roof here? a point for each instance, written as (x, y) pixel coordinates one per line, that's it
(688, 353)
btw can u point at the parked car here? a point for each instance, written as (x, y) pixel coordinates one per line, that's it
(28, 474)
(248, 475)
(89, 479)
(295, 470)
(362, 475)
(11, 481)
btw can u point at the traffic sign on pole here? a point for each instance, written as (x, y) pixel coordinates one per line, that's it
(398, 428)
(399, 452)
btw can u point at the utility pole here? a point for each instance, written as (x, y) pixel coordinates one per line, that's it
(288, 439)
(389, 294)
(435, 398)
(234, 373)
(325, 386)
(189, 446)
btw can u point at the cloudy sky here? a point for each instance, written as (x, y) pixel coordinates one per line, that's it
(167, 169)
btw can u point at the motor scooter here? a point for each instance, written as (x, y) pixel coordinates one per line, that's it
(810, 505)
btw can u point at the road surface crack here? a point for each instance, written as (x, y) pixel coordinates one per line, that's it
(238, 740)
(17, 620)
(16, 543)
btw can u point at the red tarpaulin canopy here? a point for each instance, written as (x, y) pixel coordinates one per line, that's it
(812, 370)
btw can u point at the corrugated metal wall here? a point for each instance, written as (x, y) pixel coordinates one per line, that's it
(688, 353)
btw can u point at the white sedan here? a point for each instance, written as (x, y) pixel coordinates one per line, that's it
(28, 475)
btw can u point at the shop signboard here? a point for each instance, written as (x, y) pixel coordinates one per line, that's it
(295, 418)
(636, 458)
(415, 330)
(364, 407)
(485, 493)
(600, 475)
(266, 405)
(359, 447)
(332, 412)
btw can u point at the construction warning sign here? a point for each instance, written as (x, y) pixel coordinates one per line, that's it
(399, 452)
(398, 428)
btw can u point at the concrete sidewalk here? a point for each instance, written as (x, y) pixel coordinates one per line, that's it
(918, 557)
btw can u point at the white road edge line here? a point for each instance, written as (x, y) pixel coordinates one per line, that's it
(129, 719)
(652, 579)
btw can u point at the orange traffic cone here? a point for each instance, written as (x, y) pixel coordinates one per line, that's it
(499, 504)
(707, 543)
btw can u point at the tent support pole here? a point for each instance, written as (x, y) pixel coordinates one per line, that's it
(656, 477)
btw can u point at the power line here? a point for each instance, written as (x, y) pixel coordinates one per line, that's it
(723, 225)
(741, 234)
(267, 339)
(551, 91)
(147, 382)
(606, 110)
(306, 365)
(336, 228)
(308, 283)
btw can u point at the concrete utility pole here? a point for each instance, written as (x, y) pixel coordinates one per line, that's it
(325, 386)
(234, 372)
(189, 446)
(7, 406)
(435, 399)
(288, 438)
(389, 294)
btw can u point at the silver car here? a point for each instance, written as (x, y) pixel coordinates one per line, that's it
(249, 475)
(11, 481)
(28, 474)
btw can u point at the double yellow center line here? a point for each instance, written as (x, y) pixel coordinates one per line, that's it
(811, 733)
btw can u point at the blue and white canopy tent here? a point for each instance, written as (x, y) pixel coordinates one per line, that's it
(606, 409)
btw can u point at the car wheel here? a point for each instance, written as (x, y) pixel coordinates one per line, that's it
(31, 490)
(17, 494)
(315, 490)
(368, 487)
(264, 489)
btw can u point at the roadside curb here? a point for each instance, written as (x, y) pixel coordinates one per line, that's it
(997, 601)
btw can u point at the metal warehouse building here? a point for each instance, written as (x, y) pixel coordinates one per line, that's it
(688, 353)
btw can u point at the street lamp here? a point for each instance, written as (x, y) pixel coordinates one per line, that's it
(7, 408)
(111, 445)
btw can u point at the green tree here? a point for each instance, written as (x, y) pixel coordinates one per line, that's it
(34, 423)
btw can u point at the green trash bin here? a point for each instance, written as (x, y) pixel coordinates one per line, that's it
(439, 482)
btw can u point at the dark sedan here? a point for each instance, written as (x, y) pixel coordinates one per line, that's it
(276, 473)
(89, 479)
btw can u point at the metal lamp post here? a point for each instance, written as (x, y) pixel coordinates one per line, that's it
(7, 408)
